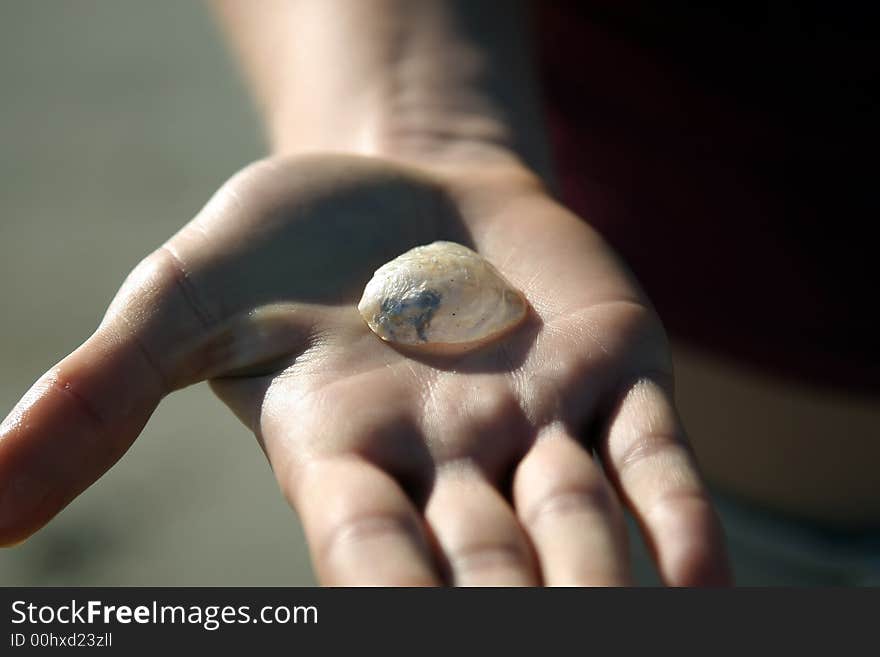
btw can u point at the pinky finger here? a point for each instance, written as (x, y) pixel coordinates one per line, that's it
(648, 459)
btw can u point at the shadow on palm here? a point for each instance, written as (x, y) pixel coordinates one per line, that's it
(279, 258)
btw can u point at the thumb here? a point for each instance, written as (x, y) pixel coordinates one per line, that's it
(81, 416)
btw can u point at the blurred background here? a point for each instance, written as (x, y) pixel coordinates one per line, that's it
(118, 120)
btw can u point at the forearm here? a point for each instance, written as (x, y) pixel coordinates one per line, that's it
(444, 80)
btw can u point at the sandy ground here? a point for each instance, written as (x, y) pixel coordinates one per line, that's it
(118, 119)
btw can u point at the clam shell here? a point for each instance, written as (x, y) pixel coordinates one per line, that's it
(440, 295)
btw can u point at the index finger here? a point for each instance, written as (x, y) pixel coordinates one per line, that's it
(361, 527)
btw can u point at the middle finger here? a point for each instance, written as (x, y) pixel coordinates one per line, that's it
(477, 531)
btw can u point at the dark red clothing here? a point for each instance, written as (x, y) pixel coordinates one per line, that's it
(728, 155)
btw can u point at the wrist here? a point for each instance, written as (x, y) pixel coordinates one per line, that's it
(422, 136)
(438, 81)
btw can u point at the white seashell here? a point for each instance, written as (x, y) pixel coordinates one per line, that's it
(440, 295)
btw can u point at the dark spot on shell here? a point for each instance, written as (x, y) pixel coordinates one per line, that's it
(428, 301)
(416, 310)
(391, 306)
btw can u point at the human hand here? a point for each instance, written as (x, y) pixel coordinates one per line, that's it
(404, 468)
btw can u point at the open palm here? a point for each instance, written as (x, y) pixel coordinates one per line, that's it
(405, 468)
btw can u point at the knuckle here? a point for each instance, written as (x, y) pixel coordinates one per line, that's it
(649, 447)
(470, 559)
(158, 310)
(588, 497)
(688, 502)
(158, 287)
(176, 284)
(360, 527)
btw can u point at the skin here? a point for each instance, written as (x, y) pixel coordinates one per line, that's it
(806, 451)
(507, 465)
